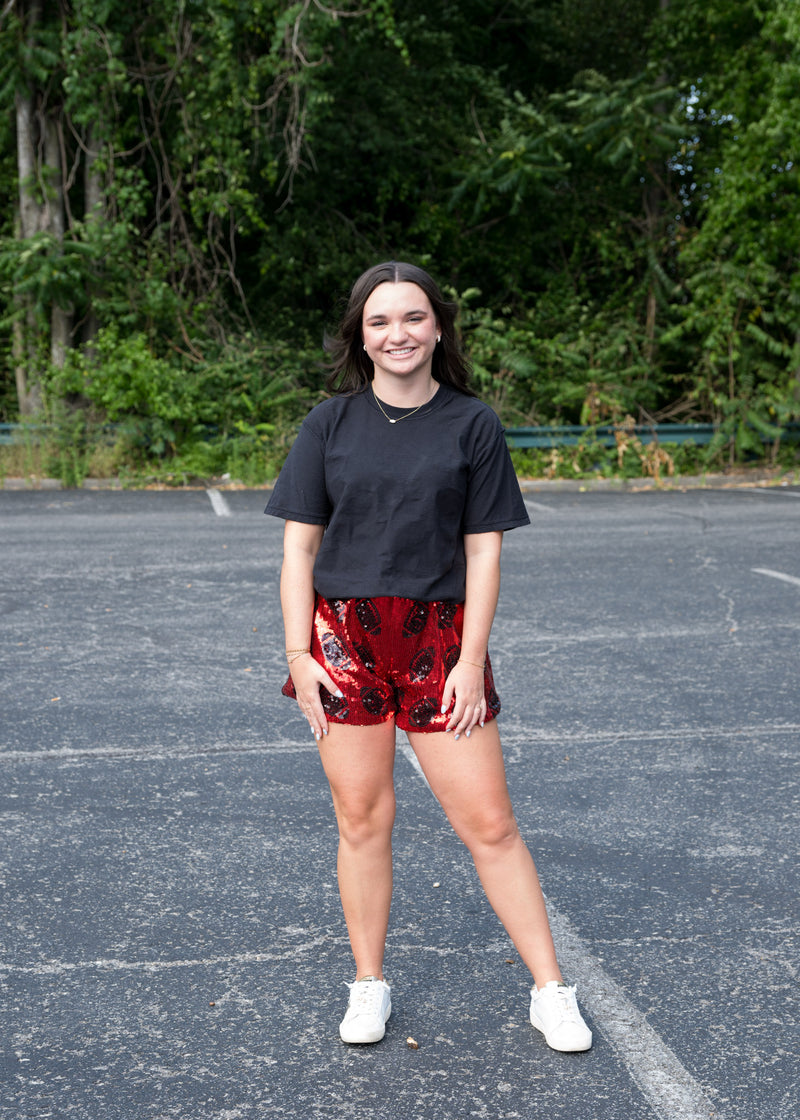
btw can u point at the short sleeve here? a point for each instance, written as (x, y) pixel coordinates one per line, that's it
(300, 492)
(494, 501)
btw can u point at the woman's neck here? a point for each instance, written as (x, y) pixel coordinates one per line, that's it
(400, 392)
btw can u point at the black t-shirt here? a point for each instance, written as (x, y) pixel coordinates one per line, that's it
(397, 499)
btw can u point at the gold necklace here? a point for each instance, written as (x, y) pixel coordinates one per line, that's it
(405, 415)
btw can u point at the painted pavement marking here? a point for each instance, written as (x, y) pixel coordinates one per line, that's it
(218, 503)
(776, 575)
(540, 507)
(670, 1089)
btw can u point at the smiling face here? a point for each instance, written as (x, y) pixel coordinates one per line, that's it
(399, 329)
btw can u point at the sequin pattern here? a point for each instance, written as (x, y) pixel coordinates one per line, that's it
(390, 657)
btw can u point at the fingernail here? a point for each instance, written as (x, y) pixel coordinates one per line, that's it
(468, 734)
(338, 694)
(316, 735)
(443, 709)
(457, 738)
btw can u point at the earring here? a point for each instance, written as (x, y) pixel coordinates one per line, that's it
(365, 345)
(438, 338)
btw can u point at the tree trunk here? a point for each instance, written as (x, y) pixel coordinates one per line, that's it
(31, 220)
(60, 316)
(29, 394)
(653, 200)
(29, 209)
(94, 211)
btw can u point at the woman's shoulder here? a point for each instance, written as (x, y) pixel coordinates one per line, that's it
(470, 409)
(330, 410)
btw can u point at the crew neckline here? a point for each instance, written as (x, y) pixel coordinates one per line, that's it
(396, 411)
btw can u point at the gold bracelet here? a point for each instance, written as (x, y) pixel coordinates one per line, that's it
(304, 649)
(294, 654)
(473, 663)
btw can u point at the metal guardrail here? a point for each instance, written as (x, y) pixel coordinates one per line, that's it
(544, 436)
(569, 435)
(11, 433)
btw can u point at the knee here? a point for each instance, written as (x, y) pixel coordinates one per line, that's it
(363, 823)
(491, 833)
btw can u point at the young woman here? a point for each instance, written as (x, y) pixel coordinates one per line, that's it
(396, 495)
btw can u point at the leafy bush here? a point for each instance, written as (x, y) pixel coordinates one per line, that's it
(232, 410)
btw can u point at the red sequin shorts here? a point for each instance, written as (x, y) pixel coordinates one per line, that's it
(390, 658)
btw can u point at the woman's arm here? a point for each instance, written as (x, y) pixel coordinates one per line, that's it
(300, 547)
(464, 686)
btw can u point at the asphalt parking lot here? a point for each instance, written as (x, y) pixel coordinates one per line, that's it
(171, 943)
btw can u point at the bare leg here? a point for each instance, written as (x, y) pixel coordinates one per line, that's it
(468, 778)
(359, 765)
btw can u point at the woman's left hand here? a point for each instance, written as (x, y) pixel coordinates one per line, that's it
(464, 690)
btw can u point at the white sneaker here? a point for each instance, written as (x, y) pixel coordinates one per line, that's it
(368, 1009)
(554, 1012)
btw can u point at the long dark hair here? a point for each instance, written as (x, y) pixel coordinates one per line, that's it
(351, 370)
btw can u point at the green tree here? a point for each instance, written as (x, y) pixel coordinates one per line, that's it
(738, 258)
(149, 137)
(584, 176)
(611, 189)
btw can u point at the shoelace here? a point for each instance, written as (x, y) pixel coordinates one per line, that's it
(366, 997)
(566, 1004)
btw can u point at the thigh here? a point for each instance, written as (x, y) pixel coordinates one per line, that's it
(359, 765)
(467, 777)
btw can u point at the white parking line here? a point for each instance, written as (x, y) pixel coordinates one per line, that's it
(776, 575)
(219, 505)
(670, 1089)
(540, 507)
(113, 964)
(82, 755)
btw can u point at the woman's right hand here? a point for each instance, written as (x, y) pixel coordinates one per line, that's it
(307, 676)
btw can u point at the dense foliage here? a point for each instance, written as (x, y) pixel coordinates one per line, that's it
(189, 188)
